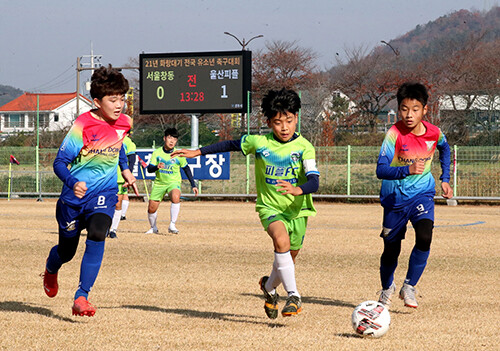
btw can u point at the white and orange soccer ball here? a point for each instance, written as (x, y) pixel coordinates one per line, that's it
(371, 318)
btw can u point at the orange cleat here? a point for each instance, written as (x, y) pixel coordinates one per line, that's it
(82, 307)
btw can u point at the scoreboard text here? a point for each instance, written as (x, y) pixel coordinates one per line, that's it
(207, 82)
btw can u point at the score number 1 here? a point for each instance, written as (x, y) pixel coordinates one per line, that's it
(224, 92)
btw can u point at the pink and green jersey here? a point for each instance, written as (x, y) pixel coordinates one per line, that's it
(399, 150)
(92, 149)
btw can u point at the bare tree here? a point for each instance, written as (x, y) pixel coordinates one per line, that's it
(370, 81)
(283, 64)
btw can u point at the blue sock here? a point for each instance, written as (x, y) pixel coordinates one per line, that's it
(418, 261)
(53, 261)
(387, 275)
(91, 263)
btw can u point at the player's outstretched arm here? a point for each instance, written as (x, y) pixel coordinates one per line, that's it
(186, 153)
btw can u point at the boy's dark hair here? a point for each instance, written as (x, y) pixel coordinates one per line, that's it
(172, 132)
(107, 81)
(280, 101)
(413, 91)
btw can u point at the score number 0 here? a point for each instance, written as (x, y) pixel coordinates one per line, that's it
(160, 92)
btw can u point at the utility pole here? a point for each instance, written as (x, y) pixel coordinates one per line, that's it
(94, 63)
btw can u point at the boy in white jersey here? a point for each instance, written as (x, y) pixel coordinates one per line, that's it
(286, 176)
(167, 181)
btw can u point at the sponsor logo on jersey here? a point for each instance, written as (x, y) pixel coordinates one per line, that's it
(71, 226)
(386, 231)
(404, 148)
(94, 137)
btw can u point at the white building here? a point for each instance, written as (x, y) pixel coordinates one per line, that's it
(55, 112)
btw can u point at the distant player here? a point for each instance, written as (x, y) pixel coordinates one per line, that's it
(123, 199)
(285, 175)
(92, 149)
(408, 189)
(168, 181)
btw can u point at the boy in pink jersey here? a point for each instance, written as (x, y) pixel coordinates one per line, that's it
(408, 189)
(86, 163)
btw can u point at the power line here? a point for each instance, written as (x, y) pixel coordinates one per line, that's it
(48, 85)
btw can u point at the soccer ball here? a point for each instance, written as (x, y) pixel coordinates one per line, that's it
(371, 318)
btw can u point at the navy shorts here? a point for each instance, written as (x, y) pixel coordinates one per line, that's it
(72, 220)
(395, 221)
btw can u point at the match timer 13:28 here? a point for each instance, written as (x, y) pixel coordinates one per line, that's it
(194, 82)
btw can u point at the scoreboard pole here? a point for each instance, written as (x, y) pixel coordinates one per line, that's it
(249, 106)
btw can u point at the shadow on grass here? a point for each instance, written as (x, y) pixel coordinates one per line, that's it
(15, 306)
(314, 300)
(229, 317)
(350, 335)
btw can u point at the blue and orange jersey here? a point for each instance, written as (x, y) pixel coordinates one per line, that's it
(399, 150)
(90, 152)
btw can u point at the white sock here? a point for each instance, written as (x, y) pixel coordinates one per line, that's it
(116, 220)
(286, 272)
(152, 219)
(274, 280)
(124, 207)
(174, 212)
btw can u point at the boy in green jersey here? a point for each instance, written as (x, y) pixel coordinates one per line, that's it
(168, 181)
(286, 176)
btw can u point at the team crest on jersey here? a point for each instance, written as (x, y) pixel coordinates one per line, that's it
(120, 133)
(430, 144)
(266, 153)
(94, 137)
(295, 156)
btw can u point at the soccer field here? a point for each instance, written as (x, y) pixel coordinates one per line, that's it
(199, 290)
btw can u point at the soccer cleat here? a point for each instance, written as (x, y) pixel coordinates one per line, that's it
(112, 234)
(123, 218)
(292, 307)
(172, 229)
(152, 231)
(82, 307)
(50, 283)
(385, 297)
(271, 304)
(407, 293)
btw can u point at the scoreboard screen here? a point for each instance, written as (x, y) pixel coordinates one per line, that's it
(206, 82)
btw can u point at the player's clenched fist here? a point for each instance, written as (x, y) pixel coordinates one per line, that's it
(80, 188)
(417, 167)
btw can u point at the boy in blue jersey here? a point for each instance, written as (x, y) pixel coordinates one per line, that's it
(408, 189)
(86, 163)
(286, 176)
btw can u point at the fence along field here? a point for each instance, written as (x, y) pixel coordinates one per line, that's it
(199, 290)
(475, 172)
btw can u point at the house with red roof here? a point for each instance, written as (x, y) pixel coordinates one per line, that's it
(55, 112)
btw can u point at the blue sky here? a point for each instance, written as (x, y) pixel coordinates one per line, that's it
(41, 40)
